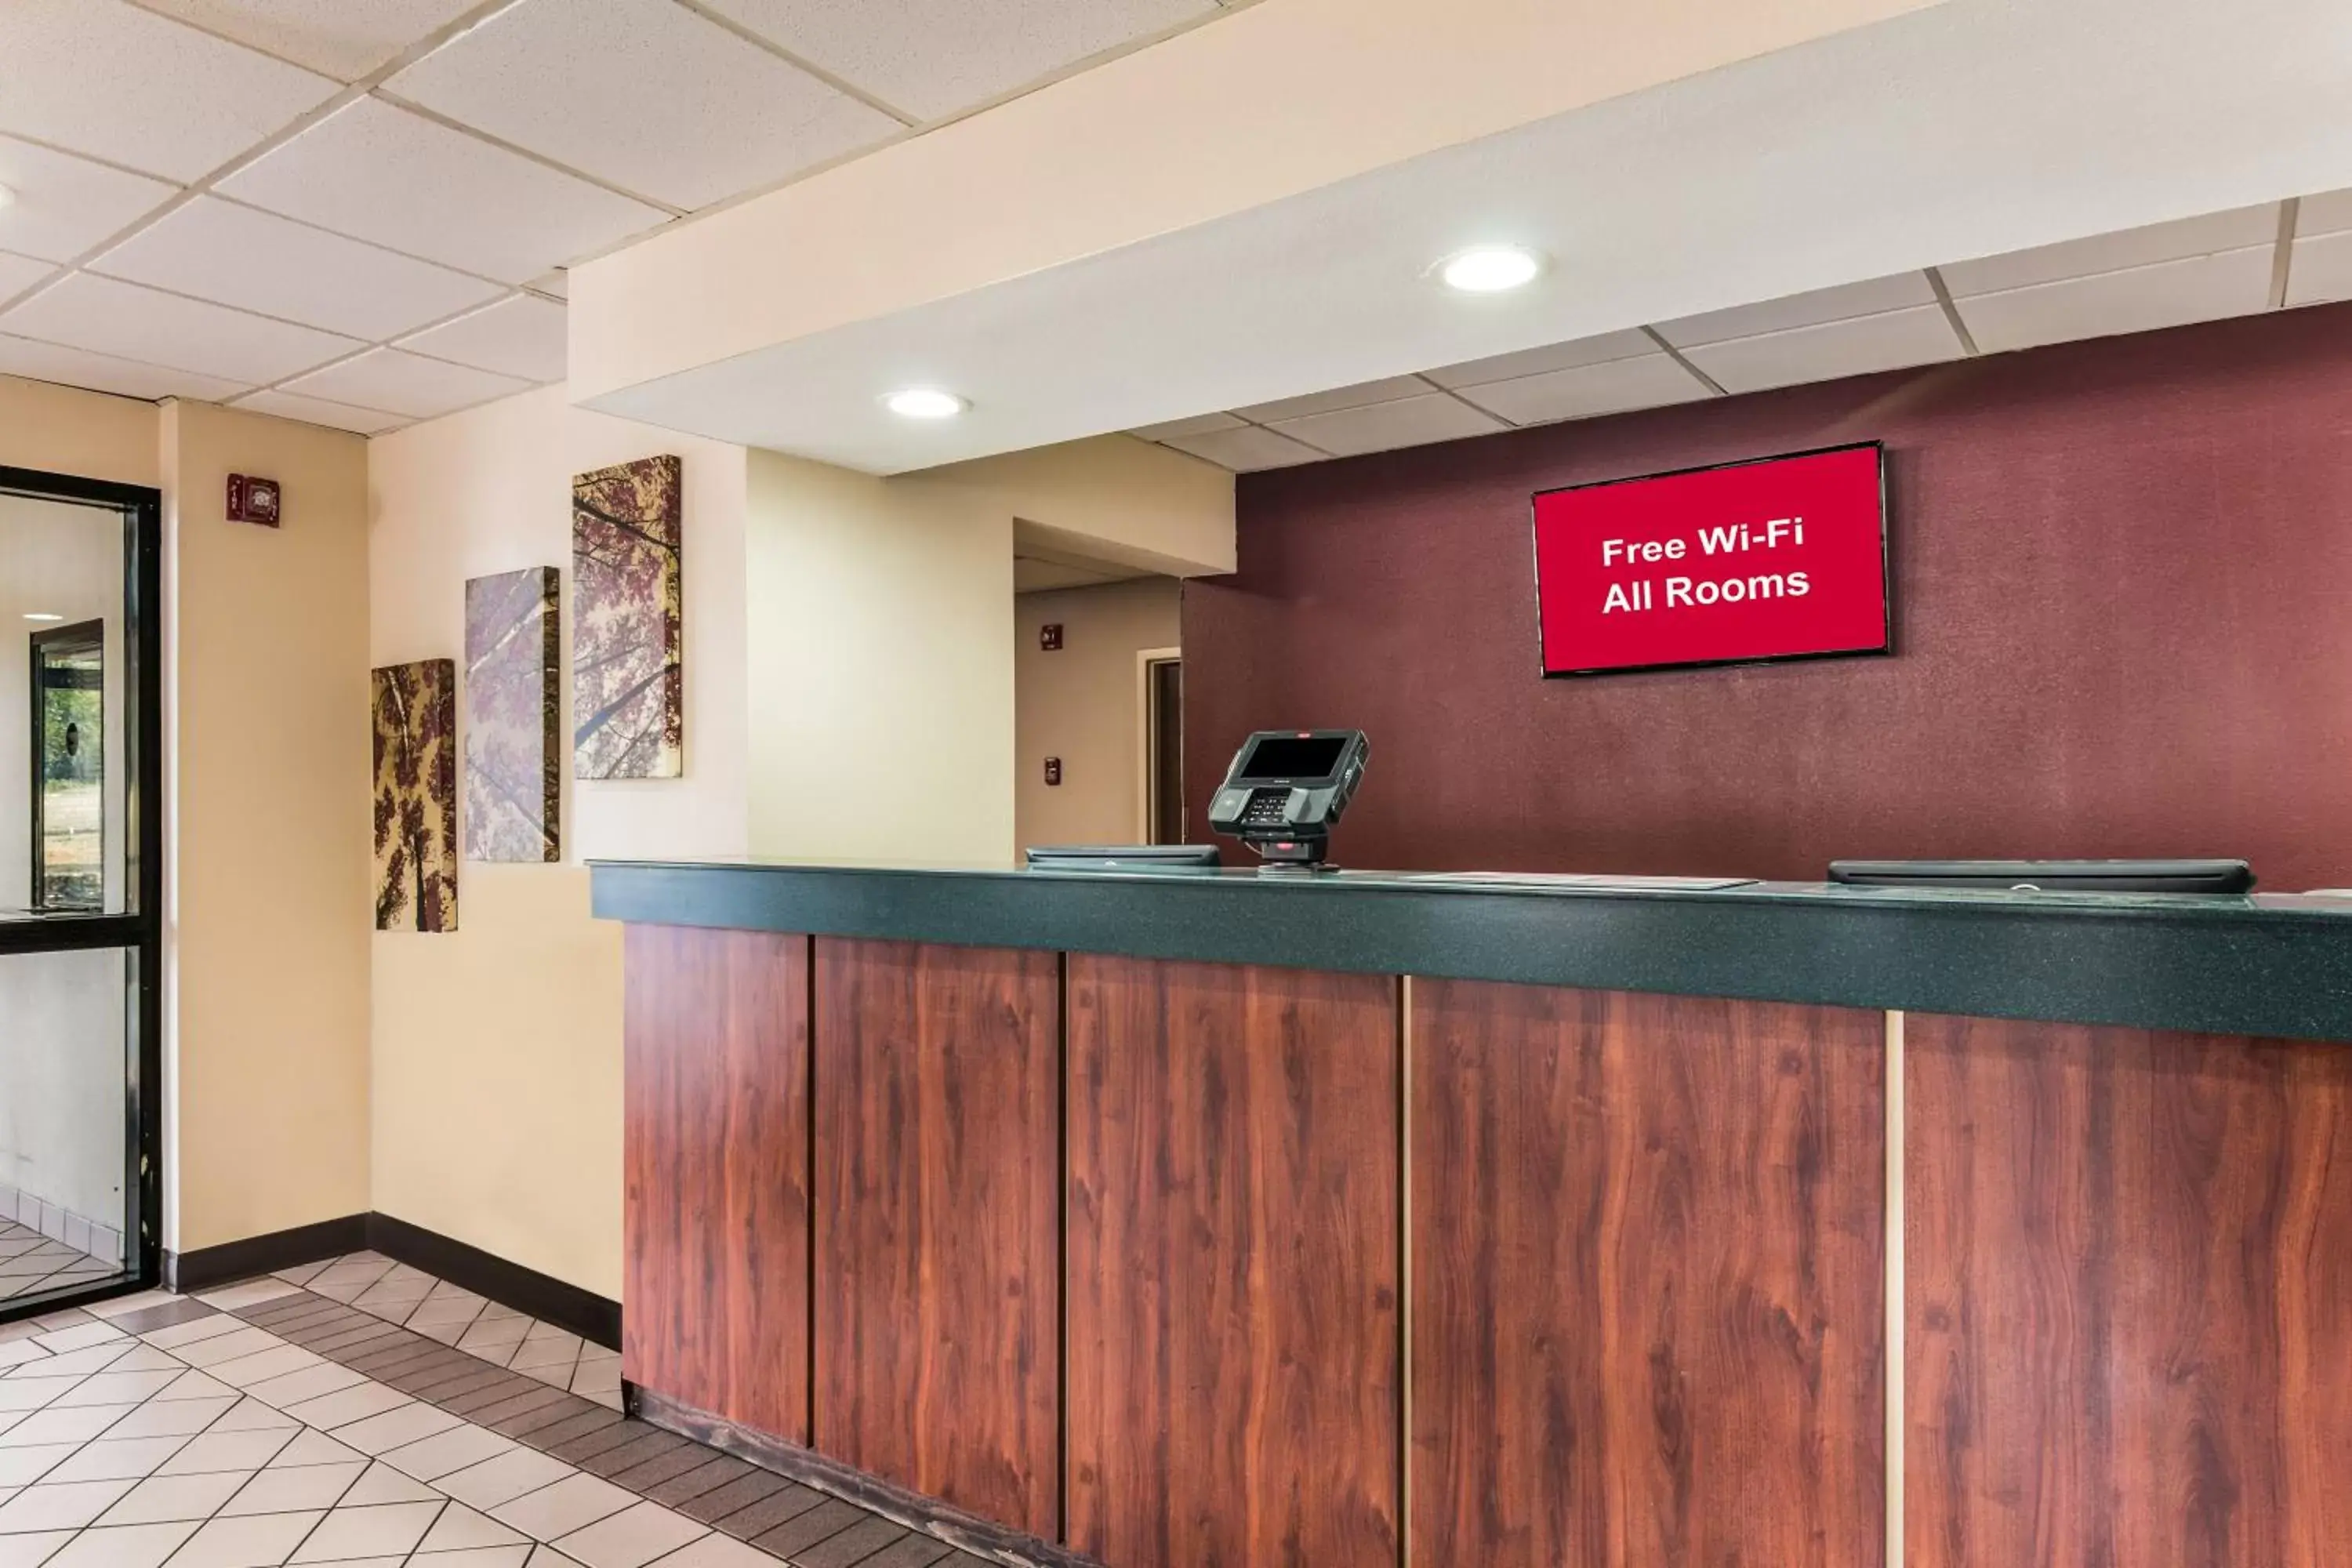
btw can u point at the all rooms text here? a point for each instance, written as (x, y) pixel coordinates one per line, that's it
(1680, 592)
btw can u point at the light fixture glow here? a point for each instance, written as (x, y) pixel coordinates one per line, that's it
(1489, 268)
(41, 615)
(7, 195)
(924, 402)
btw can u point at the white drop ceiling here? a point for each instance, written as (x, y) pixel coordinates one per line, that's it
(359, 214)
(2234, 263)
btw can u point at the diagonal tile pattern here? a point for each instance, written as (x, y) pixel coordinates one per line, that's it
(361, 1413)
(31, 1263)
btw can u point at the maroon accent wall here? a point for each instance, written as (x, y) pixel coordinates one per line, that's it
(2123, 610)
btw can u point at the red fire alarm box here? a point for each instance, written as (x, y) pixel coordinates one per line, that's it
(1049, 636)
(253, 500)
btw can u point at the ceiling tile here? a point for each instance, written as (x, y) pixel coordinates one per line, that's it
(1245, 450)
(1807, 309)
(404, 384)
(1378, 426)
(65, 204)
(111, 316)
(520, 336)
(1361, 394)
(381, 174)
(707, 115)
(319, 411)
(558, 283)
(2320, 269)
(343, 39)
(1855, 347)
(2137, 299)
(105, 372)
(18, 273)
(2112, 252)
(237, 255)
(2328, 213)
(930, 57)
(1583, 391)
(1630, 344)
(118, 83)
(1199, 425)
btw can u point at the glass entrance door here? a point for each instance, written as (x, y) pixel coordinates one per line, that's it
(81, 885)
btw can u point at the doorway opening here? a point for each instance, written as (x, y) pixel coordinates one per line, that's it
(80, 891)
(1163, 745)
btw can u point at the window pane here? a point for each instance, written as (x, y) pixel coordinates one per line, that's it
(64, 1059)
(64, 703)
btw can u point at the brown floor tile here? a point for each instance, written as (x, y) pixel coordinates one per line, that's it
(495, 1416)
(596, 1419)
(911, 1551)
(417, 1375)
(777, 1508)
(646, 1445)
(279, 1308)
(489, 1393)
(852, 1546)
(359, 1339)
(171, 1314)
(646, 1474)
(475, 1376)
(741, 1493)
(391, 1358)
(796, 1535)
(570, 1408)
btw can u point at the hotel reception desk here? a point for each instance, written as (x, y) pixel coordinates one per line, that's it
(1223, 1221)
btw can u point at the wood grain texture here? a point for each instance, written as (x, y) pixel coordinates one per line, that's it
(715, 1152)
(939, 1222)
(1234, 1266)
(1648, 1286)
(2129, 1313)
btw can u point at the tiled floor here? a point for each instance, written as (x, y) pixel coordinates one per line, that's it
(31, 1262)
(277, 1422)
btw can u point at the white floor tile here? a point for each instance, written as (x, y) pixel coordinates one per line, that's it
(503, 1480)
(164, 1418)
(78, 1424)
(208, 1354)
(64, 1507)
(124, 1546)
(308, 1382)
(346, 1405)
(490, 1557)
(225, 1451)
(260, 1540)
(160, 1499)
(317, 1486)
(631, 1538)
(462, 1445)
(118, 1459)
(715, 1551)
(383, 1484)
(395, 1429)
(346, 1532)
(195, 1385)
(27, 1463)
(193, 1330)
(78, 1363)
(460, 1526)
(138, 1303)
(32, 1393)
(78, 1337)
(250, 1414)
(31, 1551)
(252, 1293)
(554, 1511)
(119, 1388)
(310, 1447)
(247, 1370)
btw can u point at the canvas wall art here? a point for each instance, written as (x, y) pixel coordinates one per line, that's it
(417, 796)
(514, 726)
(628, 677)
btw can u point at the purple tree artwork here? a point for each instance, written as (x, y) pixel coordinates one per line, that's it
(628, 679)
(514, 716)
(417, 796)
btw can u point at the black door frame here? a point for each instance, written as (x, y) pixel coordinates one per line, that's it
(138, 930)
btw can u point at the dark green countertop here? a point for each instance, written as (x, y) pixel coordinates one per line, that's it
(2266, 964)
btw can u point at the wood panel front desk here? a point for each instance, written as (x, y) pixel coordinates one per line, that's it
(1225, 1221)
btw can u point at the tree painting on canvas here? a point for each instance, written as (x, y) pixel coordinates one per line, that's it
(628, 681)
(514, 716)
(417, 796)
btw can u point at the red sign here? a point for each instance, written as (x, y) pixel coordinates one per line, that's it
(1780, 558)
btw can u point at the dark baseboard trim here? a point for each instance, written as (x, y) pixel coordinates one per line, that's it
(209, 1266)
(912, 1510)
(544, 1297)
(592, 1317)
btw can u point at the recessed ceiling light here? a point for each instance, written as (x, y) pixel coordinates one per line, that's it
(41, 615)
(925, 403)
(1489, 268)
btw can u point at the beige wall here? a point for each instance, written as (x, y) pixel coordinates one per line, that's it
(1082, 704)
(881, 683)
(497, 1073)
(267, 759)
(61, 430)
